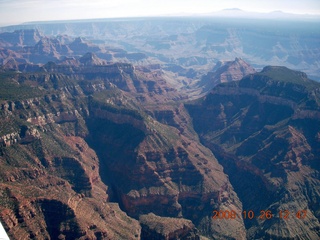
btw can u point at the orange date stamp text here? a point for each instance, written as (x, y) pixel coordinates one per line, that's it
(262, 215)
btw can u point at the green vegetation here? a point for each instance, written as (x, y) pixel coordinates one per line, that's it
(284, 74)
(279, 82)
(54, 145)
(8, 125)
(6, 200)
(17, 156)
(11, 90)
(114, 102)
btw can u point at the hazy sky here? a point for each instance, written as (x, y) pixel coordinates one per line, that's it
(18, 11)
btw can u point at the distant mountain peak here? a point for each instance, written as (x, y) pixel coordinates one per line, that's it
(238, 62)
(90, 59)
(78, 40)
(233, 9)
(226, 71)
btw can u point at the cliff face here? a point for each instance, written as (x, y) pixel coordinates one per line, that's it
(162, 170)
(74, 165)
(52, 188)
(50, 181)
(257, 131)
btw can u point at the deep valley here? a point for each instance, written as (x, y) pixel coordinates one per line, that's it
(141, 129)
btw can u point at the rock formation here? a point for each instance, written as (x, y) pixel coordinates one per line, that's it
(225, 71)
(155, 227)
(253, 128)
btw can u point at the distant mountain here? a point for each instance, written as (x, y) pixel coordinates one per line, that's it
(90, 59)
(225, 71)
(28, 37)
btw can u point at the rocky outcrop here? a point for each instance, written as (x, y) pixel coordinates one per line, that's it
(9, 139)
(28, 135)
(80, 46)
(225, 71)
(155, 227)
(90, 59)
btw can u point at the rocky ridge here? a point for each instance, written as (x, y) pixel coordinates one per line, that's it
(225, 71)
(255, 129)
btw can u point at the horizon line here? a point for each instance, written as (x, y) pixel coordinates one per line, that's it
(216, 14)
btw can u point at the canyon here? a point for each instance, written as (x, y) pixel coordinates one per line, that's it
(126, 142)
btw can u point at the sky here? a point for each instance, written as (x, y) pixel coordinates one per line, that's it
(20, 11)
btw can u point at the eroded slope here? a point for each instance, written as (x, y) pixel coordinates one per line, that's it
(264, 130)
